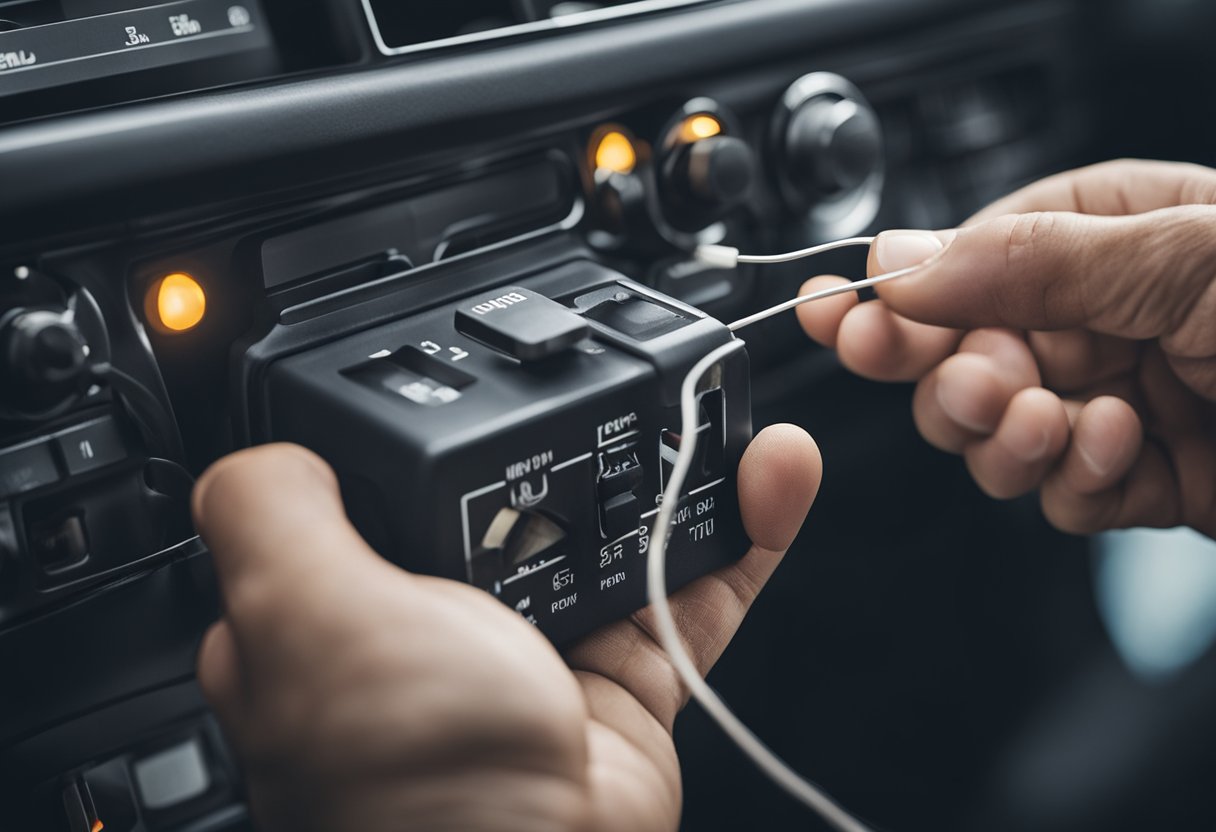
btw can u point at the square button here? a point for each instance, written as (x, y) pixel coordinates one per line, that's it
(91, 446)
(520, 323)
(172, 777)
(621, 515)
(26, 468)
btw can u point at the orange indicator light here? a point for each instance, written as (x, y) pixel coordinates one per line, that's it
(615, 153)
(696, 128)
(176, 303)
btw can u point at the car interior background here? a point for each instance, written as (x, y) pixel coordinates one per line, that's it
(192, 192)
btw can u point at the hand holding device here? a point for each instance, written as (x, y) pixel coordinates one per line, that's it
(360, 696)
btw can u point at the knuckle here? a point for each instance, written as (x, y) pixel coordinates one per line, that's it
(1062, 518)
(1199, 190)
(254, 601)
(1028, 235)
(1173, 291)
(1030, 242)
(1074, 513)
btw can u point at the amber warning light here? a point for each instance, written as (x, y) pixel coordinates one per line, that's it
(696, 128)
(615, 152)
(176, 303)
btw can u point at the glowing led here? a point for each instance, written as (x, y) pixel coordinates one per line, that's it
(696, 128)
(615, 153)
(179, 303)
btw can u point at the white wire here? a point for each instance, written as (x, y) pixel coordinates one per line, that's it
(764, 758)
(823, 248)
(728, 257)
(842, 289)
(656, 582)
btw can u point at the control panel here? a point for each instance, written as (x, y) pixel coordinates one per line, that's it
(520, 440)
(90, 478)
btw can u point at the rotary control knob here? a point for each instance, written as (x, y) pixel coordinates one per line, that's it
(718, 171)
(43, 359)
(829, 149)
(705, 178)
(832, 146)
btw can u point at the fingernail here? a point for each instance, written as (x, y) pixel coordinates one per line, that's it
(895, 250)
(1029, 445)
(957, 402)
(1099, 463)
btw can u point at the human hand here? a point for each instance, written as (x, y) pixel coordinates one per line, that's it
(1064, 339)
(360, 697)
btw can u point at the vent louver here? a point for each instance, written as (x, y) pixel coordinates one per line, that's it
(404, 26)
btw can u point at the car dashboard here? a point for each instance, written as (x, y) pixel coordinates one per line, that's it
(206, 189)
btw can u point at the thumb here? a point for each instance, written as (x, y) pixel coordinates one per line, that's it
(1137, 277)
(273, 519)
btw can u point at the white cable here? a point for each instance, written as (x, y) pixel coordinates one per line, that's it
(728, 257)
(768, 762)
(656, 582)
(842, 289)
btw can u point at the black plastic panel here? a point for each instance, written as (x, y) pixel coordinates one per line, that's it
(74, 49)
(265, 137)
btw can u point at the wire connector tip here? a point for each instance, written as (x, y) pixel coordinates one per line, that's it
(720, 257)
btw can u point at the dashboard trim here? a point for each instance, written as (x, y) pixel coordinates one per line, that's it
(260, 136)
(639, 7)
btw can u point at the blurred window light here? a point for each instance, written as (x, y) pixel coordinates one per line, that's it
(1157, 594)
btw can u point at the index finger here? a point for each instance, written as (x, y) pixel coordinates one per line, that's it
(1118, 188)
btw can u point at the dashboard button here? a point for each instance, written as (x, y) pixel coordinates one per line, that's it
(520, 323)
(621, 474)
(26, 468)
(636, 317)
(109, 786)
(172, 777)
(91, 446)
(79, 807)
(621, 515)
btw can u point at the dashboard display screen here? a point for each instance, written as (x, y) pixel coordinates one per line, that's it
(47, 44)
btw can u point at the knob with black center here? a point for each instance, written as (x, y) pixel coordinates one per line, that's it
(44, 358)
(706, 178)
(832, 146)
(826, 143)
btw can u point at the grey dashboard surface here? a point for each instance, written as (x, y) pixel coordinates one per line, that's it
(260, 136)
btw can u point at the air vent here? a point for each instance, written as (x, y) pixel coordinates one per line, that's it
(401, 27)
